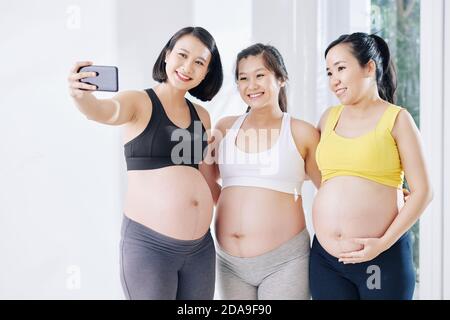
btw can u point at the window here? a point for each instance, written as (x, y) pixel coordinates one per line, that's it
(398, 22)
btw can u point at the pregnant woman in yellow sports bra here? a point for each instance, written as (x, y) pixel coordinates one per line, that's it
(362, 248)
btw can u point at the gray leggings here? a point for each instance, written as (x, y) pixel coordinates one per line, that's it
(278, 274)
(155, 266)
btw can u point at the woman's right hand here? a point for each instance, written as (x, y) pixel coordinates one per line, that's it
(78, 89)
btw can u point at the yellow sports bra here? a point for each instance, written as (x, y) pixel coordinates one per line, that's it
(373, 155)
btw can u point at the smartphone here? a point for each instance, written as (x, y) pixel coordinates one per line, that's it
(106, 80)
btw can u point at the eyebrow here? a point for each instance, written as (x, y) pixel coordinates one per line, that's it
(201, 58)
(259, 69)
(336, 63)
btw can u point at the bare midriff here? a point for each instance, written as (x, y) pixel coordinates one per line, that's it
(252, 221)
(175, 201)
(349, 207)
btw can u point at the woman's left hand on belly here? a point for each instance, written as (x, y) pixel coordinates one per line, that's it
(372, 247)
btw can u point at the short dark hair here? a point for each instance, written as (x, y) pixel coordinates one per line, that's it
(212, 83)
(364, 48)
(273, 61)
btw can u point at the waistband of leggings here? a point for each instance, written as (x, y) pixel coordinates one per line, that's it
(132, 230)
(297, 246)
(316, 246)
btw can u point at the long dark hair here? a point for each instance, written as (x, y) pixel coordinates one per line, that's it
(272, 61)
(364, 48)
(209, 87)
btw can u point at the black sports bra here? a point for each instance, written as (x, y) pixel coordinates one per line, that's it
(164, 144)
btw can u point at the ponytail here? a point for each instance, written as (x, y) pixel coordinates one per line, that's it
(282, 99)
(387, 78)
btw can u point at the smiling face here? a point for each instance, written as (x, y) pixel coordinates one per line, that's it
(257, 85)
(187, 63)
(347, 79)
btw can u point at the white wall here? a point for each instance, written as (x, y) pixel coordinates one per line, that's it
(446, 144)
(58, 172)
(62, 176)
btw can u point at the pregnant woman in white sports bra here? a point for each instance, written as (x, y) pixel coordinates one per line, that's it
(263, 245)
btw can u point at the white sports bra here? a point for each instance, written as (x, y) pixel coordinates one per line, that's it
(280, 168)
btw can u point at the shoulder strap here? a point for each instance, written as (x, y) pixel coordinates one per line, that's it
(231, 133)
(286, 125)
(192, 110)
(156, 103)
(388, 119)
(332, 119)
(234, 130)
(238, 123)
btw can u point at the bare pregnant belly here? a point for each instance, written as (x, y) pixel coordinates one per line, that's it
(352, 207)
(175, 201)
(252, 221)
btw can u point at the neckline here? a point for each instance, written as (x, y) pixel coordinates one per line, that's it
(272, 147)
(191, 120)
(333, 131)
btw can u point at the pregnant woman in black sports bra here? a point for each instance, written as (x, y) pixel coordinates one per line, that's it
(167, 251)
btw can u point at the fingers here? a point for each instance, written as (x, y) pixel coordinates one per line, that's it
(352, 260)
(360, 240)
(79, 65)
(74, 75)
(406, 194)
(76, 87)
(81, 85)
(351, 255)
(81, 75)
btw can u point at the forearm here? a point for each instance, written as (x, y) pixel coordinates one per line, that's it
(100, 110)
(408, 215)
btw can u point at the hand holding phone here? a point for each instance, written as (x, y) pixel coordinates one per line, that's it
(106, 78)
(101, 78)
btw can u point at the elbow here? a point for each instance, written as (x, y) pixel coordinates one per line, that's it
(429, 194)
(423, 195)
(426, 194)
(93, 118)
(90, 117)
